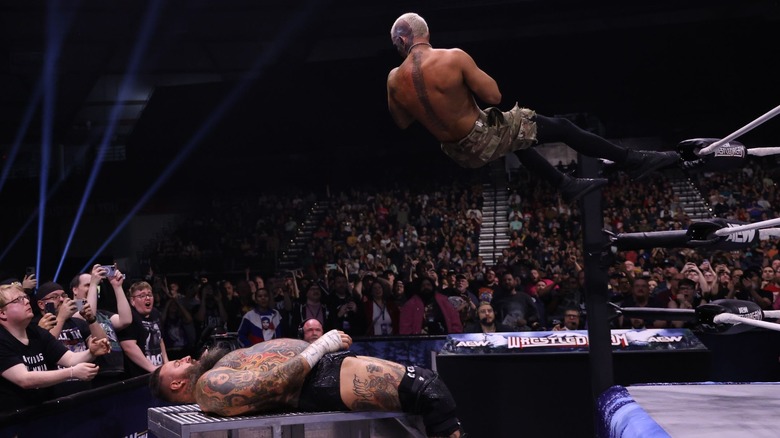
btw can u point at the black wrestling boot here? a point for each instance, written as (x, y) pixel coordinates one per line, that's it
(574, 188)
(640, 164)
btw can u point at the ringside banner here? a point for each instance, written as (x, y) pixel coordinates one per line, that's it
(569, 340)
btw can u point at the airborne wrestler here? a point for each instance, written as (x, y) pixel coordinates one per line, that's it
(287, 375)
(438, 87)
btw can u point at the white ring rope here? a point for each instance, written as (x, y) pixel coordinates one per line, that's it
(730, 318)
(747, 128)
(747, 227)
(774, 314)
(763, 152)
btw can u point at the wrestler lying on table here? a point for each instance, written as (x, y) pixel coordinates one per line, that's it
(292, 375)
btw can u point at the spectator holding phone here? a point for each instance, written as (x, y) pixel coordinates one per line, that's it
(687, 298)
(346, 305)
(112, 368)
(695, 274)
(70, 330)
(142, 340)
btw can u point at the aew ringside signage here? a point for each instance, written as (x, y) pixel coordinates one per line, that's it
(622, 340)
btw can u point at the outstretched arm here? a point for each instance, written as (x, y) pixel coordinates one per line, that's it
(267, 381)
(124, 315)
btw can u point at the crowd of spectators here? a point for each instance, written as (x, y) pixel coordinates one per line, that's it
(744, 194)
(406, 234)
(401, 261)
(230, 232)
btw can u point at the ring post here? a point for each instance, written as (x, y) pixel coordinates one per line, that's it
(595, 248)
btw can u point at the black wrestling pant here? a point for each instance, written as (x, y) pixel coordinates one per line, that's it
(421, 392)
(555, 129)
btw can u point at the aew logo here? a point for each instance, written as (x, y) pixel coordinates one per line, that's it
(741, 237)
(746, 313)
(474, 344)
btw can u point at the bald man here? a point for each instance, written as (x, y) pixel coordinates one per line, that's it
(293, 375)
(312, 330)
(438, 88)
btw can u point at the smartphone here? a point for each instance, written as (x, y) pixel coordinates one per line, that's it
(80, 304)
(30, 271)
(50, 308)
(110, 270)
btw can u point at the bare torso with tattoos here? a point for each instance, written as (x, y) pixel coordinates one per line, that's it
(437, 87)
(251, 380)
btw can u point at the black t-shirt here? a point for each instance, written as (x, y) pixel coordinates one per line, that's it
(40, 354)
(73, 336)
(213, 318)
(512, 309)
(147, 333)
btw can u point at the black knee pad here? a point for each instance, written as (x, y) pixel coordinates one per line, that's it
(422, 392)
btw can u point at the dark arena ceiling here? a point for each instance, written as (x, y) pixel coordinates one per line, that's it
(249, 90)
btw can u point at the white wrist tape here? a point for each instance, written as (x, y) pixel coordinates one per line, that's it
(329, 343)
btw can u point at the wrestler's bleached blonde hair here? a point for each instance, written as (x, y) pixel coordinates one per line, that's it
(416, 22)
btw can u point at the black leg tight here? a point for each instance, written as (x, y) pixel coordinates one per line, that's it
(553, 129)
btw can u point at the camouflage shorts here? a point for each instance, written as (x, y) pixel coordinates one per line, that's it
(494, 135)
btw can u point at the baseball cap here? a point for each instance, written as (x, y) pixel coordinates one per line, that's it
(46, 289)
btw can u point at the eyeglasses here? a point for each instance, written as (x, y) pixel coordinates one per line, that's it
(20, 299)
(54, 297)
(146, 295)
